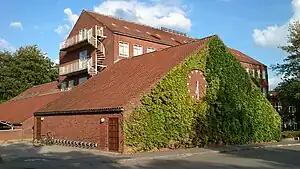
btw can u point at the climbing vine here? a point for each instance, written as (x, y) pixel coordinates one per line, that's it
(232, 112)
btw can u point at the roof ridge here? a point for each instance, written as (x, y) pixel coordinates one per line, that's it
(245, 55)
(88, 11)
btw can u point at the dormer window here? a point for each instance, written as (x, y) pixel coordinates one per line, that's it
(150, 49)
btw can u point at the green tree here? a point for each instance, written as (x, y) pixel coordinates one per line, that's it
(289, 89)
(291, 66)
(26, 67)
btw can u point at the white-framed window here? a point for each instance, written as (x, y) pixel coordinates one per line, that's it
(247, 70)
(124, 49)
(150, 49)
(253, 72)
(137, 50)
(82, 34)
(258, 73)
(82, 79)
(264, 74)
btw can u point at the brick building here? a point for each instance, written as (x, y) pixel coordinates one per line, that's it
(16, 115)
(98, 41)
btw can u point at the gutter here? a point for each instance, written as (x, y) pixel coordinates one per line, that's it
(115, 110)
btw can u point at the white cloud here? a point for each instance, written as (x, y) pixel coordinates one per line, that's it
(56, 61)
(276, 35)
(156, 13)
(71, 18)
(4, 45)
(274, 81)
(17, 25)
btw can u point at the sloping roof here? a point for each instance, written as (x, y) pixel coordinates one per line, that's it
(46, 88)
(138, 30)
(244, 58)
(20, 110)
(124, 81)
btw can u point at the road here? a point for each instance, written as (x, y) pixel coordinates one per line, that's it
(23, 156)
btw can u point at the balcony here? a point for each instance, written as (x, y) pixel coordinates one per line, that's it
(84, 37)
(75, 66)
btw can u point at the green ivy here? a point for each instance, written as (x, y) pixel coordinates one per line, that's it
(233, 111)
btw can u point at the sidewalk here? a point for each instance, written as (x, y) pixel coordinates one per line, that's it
(122, 158)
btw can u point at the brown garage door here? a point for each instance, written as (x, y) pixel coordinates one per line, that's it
(113, 134)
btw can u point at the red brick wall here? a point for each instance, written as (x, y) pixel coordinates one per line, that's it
(133, 41)
(263, 82)
(85, 128)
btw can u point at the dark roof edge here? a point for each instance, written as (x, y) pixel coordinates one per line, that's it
(80, 112)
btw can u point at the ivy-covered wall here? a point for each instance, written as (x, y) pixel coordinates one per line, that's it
(234, 111)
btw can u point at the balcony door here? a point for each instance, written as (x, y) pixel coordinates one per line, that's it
(83, 58)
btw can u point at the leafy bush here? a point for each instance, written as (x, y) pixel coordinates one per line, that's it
(234, 111)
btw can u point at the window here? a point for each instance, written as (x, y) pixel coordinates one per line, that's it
(137, 50)
(258, 74)
(264, 90)
(82, 34)
(264, 74)
(278, 106)
(150, 49)
(253, 72)
(71, 84)
(82, 79)
(63, 85)
(123, 49)
(247, 70)
(83, 55)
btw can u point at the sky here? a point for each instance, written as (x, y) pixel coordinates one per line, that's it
(255, 27)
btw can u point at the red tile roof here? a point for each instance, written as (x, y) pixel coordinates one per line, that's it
(244, 58)
(46, 88)
(124, 81)
(20, 110)
(138, 30)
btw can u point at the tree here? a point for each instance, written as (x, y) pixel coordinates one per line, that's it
(289, 89)
(26, 67)
(291, 66)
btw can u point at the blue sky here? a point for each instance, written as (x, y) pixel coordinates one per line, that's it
(256, 27)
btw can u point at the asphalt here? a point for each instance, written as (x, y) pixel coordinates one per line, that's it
(272, 155)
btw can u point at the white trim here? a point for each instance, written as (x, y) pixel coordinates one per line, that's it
(137, 50)
(125, 52)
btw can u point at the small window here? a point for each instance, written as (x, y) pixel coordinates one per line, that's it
(82, 34)
(124, 49)
(113, 24)
(138, 30)
(253, 72)
(83, 55)
(150, 49)
(71, 84)
(63, 85)
(258, 74)
(173, 39)
(137, 50)
(264, 90)
(82, 79)
(247, 70)
(264, 74)
(126, 27)
(148, 33)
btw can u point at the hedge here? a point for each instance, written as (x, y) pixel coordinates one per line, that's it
(234, 110)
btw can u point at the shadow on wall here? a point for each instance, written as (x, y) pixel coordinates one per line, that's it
(24, 155)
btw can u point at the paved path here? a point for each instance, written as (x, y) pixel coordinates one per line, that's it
(24, 156)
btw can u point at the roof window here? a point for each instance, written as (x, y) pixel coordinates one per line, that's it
(148, 33)
(137, 30)
(126, 27)
(156, 36)
(113, 24)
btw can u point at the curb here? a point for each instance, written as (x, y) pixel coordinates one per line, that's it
(122, 161)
